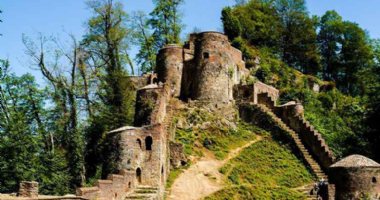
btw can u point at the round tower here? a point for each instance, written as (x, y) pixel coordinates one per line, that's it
(169, 67)
(214, 68)
(355, 177)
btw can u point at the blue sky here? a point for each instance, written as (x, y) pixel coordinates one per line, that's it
(55, 17)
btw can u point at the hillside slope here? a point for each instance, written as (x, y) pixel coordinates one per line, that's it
(215, 139)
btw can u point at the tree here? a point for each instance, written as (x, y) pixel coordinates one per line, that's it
(107, 42)
(106, 46)
(231, 24)
(299, 36)
(146, 56)
(25, 146)
(64, 91)
(166, 22)
(345, 50)
(329, 38)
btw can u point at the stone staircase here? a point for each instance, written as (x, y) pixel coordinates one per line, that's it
(144, 193)
(114, 187)
(310, 161)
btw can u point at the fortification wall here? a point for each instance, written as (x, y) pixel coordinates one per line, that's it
(292, 115)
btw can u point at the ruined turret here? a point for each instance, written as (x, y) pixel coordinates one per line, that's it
(214, 68)
(169, 67)
(355, 177)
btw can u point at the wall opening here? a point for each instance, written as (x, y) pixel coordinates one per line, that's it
(138, 175)
(206, 55)
(148, 143)
(129, 185)
(138, 141)
(374, 180)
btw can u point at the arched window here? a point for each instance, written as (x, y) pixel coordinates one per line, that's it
(138, 175)
(148, 143)
(138, 141)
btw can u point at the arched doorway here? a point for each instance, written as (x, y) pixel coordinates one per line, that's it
(148, 143)
(138, 175)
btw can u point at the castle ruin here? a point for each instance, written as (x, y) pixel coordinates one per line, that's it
(207, 70)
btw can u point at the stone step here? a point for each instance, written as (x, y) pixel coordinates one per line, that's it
(316, 168)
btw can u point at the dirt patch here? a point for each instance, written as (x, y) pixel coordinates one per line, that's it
(203, 177)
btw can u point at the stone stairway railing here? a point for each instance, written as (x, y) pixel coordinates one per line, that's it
(266, 119)
(115, 187)
(310, 137)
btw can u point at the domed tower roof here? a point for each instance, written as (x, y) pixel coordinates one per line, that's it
(355, 161)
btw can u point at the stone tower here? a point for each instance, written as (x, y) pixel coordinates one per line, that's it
(214, 68)
(170, 66)
(355, 177)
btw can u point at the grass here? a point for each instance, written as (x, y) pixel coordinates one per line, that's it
(212, 132)
(265, 170)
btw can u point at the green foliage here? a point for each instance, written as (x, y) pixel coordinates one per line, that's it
(107, 42)
(25, 148)
(345, 50)
(265, 170)
(211, 131)
(146, 56)
(231, 24)
(166, 22)
(282, 26)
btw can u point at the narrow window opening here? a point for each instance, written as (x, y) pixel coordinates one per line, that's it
(148, 143)
(138, 175)
(374, 180)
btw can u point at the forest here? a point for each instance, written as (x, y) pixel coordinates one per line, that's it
(55, 134)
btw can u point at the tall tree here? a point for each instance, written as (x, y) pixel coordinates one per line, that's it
(106, 45)
(166, 22)
(25, 146)
(143, 35)
(346, 51)
(299, 36)
(64, 90)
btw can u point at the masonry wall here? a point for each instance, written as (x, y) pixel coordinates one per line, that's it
(356, 182)
(145, 149)
(170, 66)
(257, 93)
(150, 105)
(214, 66)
